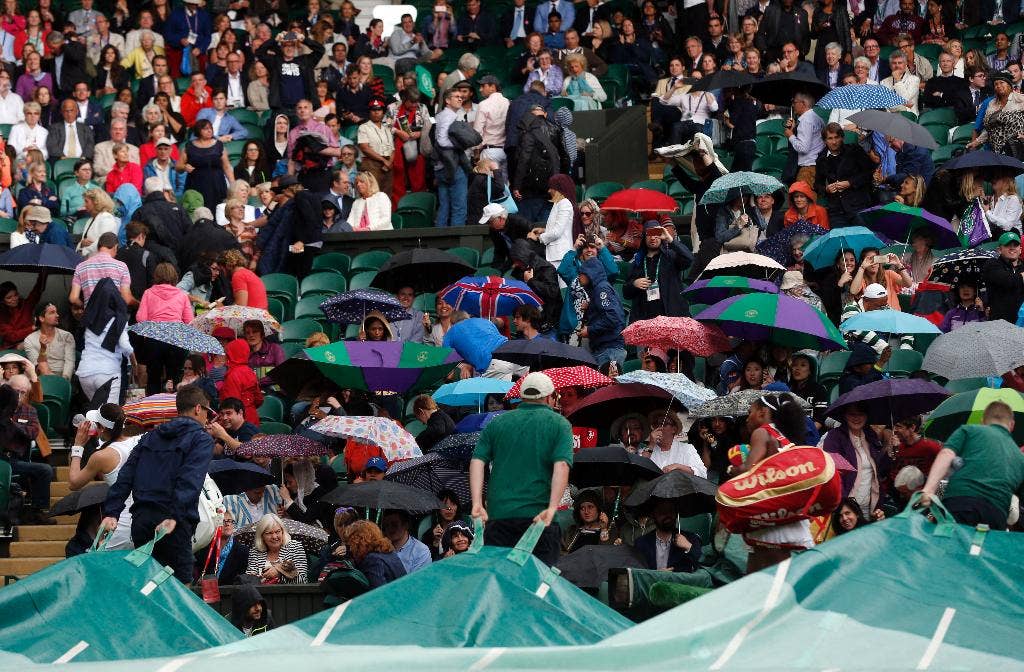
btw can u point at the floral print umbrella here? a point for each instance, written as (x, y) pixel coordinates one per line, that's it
(385, 433)
(233, 317)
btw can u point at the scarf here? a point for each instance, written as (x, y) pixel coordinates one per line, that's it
(563, 117)
(577, 87)
(105, 303)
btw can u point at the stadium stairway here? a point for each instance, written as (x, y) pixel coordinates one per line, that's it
(38, 546)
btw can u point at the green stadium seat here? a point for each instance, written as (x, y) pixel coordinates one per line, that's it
(962, 134)
(64, 168)
(326, 282)
(966, 384)
(771, 127)
(415, 219)
(299, 329)
(602, 190)
(276, 308)
(940, 132)
(332, 261)
(415, 427)
(271, 410)
(275, 428)
(245, 116)
(309, 307)
(369, 261)
(397, 221)
(653, 185)
(631, 365)
(831, 367)
(351, 332)
(361, 280)
(939, 115)
(944, 153)
(487, 256)
(8, 225)
(281, 283)
(423, 201)
(482, 271)
(559, 102)
(467, 254)
(902, 363)
(292, 348)
(425, 302)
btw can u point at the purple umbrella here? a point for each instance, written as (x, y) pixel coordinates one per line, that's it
(898, 221)
(891, 400)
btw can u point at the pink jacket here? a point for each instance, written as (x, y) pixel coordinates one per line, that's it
(165, 303)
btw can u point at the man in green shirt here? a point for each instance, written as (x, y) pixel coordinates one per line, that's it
(530, 452)
(992, 471)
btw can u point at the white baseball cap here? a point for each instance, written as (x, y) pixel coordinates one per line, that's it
(875, 291)
(536, 386)
(492, 210)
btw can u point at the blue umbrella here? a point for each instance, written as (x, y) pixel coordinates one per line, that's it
(470, 392)
(778, 246)
(475, 422)
(352, 307)
(889, 322)
(685, 391)
(44, 256)
(861, 97)
(179, 335)
(489, 296)
(823, 251)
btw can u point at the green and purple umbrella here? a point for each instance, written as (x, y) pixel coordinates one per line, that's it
(713, 290)
(967, 408)
(898, 222)
(775, 318)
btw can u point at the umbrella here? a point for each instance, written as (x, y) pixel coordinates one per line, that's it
(895, 125)
(233, 477)
(233, 317)
(383, 495)
(742, 183)
(313, 539)
(976, 350)
(889, 322)
(822, 252)
(961, 265)
(610, 465)
(352, 307)
(432, 473)
(734, 405)
(470, 392)
(457, 447)
(779, 89)
(375, 366)
(775, 318)
(891, 400)
(744, 264)
(385, 433)
(723, 79)
(600, 407)
(861, 97)
(582, 377)
(93, 494)
(424, 269)
(474, 422)
(967, 408)
(686, 392)
(40, 257)
(681, 333)
(543, 353)
(713, 290)
(280, 445)
(898, 221)
(151, 411)
(295, 373)
(489, 296)
(640, 200)
(179, 335)
(691, 494)
(587, 567)
(985, 159)
(779, 246)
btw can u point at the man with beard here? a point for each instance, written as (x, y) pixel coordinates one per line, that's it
(666, 547)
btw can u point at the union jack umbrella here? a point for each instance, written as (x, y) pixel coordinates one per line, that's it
(568, 376)
(489, 296)
(677, 333)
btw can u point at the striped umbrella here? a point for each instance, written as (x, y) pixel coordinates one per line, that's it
(742, 183)
(775, 318)
(489, 296)
(151, 411)
(233, 317)
(562, 377)
(967, 408)
(861, 97)
(179, 335)
(385, 433)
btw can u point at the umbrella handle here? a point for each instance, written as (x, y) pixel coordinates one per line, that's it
(524, 549)
(478, 536)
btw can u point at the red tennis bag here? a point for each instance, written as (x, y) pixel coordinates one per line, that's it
(795, 484)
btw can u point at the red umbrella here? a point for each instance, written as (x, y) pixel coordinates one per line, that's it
(640, 200)
(599, 408)
(568, 376)
(679, 333)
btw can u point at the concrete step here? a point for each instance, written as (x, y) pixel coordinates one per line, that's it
(38, 549)
(25, 566)
(59, 533)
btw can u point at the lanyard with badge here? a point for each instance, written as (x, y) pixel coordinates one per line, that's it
(653, 292)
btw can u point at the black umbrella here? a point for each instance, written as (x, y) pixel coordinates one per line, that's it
(588, 566)
(294, 373)
(985, 159)
(383, 495)
(724, 79)
(779, 89)
(600, 407)
(425, 270)
(457, 447)
(610, 465)
(313, 539)
(691, 494)
(90, 495)
(432, 473)
(233, 477)
(543, 353)
(896, 125)
(961, 265)
(44, 256)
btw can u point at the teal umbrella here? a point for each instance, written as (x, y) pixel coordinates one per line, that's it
(738, 184)
(822, 252)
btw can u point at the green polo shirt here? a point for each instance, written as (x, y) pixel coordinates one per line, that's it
(522, 447)
(993, 464)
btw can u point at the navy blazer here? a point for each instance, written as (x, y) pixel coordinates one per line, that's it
(678, 560)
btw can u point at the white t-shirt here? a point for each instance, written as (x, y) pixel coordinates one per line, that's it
(680, 453)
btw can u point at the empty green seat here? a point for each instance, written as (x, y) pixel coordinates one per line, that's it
(832, 366)
(902, 363)
(327, 282)
(467, 254)
(369, 261)
(602, 190)
(281, 283)
(299, 329)
(361, 280)
(275, 428)
(332, 261)
(653, 185)
(423, 201)
(272, 409)
(309, 306)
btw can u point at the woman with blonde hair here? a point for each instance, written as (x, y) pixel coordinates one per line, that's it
(581, 87)
(240, 190)
(275, 556)
(911, 191)
(373, 554)
(99, 207)
(1004, 209)
(371, 210)
(23, 234)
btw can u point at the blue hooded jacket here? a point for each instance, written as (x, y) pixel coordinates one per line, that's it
(604, 318)
(165, 471)
(127, 200)
(568, 270)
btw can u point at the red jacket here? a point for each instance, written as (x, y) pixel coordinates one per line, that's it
(130, 174)
(17, 323)
(190, 105)
(240, 381)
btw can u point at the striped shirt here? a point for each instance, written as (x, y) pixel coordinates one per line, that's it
(100, 265)
(877, 342)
